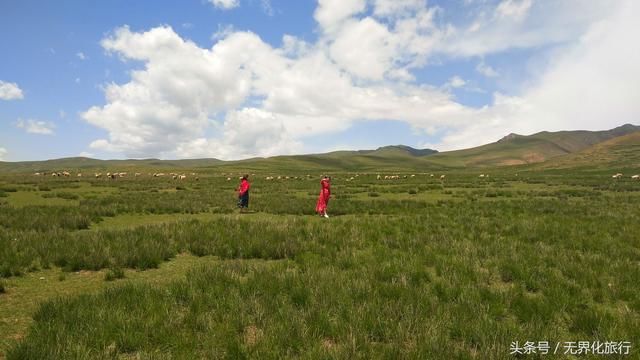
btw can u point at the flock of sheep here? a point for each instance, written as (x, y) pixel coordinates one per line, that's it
(116, 175)
(619, 175)
(176, 176)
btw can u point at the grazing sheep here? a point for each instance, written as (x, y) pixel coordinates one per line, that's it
(616, 176)
(37, 174)
(137, 174)
(65, 173)
(378, 177)
(79, 175)
(352, 178)
(228, 179)
(413, 175)
(481, 175)
(97, 175)
(635, 177)
(122, 174)
(431, 175)
(442, 177)
(182, 177)
(158, 174)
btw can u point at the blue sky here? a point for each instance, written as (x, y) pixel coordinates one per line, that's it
(241, 78)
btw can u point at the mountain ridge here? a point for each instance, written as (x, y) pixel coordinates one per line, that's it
(512, 149)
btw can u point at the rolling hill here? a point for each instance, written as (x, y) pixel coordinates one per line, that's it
(561, 149)
(516, 149)
(619, 152)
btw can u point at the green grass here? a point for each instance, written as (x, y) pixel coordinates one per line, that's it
(424, 268)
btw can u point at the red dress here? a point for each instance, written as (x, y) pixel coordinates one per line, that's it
(323, 199)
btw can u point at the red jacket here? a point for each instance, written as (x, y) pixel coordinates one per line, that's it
(244, 187)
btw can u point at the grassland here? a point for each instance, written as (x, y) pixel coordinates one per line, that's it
(411, 268)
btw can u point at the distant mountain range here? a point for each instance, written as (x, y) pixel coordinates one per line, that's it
(547, 149)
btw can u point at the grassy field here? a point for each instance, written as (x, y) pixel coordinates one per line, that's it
(418, 267)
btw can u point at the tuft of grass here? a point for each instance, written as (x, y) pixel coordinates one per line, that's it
(114, 274)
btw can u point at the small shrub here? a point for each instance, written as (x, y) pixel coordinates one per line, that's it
(373, 194)
(113, 274)
(2, 288)
(413, 192)
(44, 188)
(62, 277)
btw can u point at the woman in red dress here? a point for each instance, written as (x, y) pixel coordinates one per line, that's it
(325, 194)
(243, 193)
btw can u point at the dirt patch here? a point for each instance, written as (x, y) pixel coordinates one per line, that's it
(252, 335)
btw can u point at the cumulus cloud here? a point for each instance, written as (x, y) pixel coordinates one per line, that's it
(81, 55)
(242, 97)
(10, 91)
(3, 153)
(330, 14)
(36, 126)
(225, 4)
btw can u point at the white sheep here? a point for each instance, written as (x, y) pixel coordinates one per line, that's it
(442, 177)
(635, 177)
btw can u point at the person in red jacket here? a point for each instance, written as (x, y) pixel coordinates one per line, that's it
(243, 193)
(325, 194)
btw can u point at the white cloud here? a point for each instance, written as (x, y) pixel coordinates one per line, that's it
(486, 70)
(363, 49)
(3, 153)
(513, 9)
(397, 7)
(225, 4)
(455, 82)
(36, 126)
(522, 24)
(243, 98)
(586, 86)
(331, 13)
(267, 8)
(10, 91)
(86, 154)
(81, 55)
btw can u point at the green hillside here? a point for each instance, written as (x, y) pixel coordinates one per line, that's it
(513, 149)
(620, 152)
(79, 164)
(516, 149)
